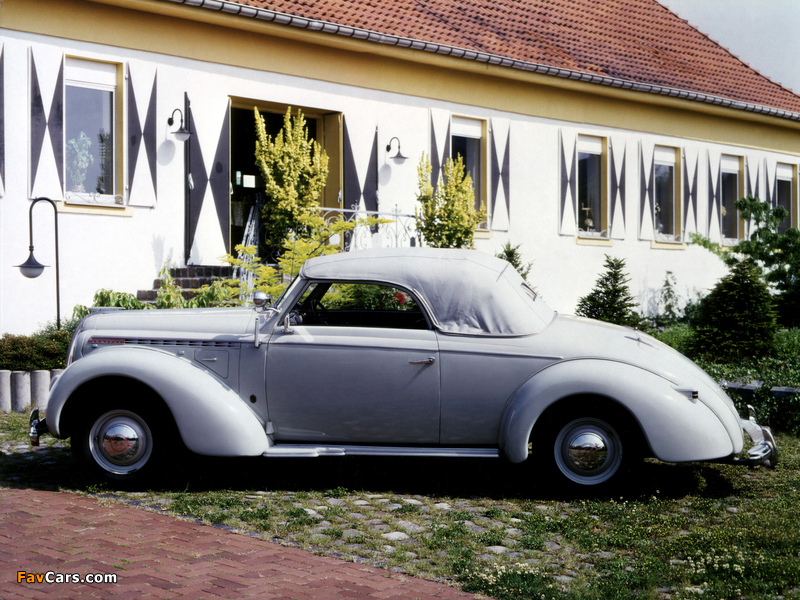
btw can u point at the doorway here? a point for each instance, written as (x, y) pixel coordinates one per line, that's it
(247, 184)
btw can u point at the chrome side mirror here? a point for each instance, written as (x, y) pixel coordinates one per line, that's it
(260, 299)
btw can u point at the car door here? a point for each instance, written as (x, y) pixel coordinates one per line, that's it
(479, 376)
(354, 370)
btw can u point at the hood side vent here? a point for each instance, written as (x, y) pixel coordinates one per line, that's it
(166, 342)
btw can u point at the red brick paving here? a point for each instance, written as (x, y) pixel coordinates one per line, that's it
(158, 557)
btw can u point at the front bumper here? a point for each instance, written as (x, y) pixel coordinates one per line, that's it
(764, 450)
(37, 427)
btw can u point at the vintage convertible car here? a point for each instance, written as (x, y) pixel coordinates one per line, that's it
(396, 352)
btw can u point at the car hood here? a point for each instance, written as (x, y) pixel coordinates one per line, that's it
(208, 323)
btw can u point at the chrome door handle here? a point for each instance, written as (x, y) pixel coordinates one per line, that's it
(209, 359)
(424, 361)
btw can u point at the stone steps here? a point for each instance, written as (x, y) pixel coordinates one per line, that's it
(189, 279)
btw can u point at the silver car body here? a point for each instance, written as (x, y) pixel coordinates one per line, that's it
(473, 381)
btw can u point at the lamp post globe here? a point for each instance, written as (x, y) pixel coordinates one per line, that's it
(31, 268)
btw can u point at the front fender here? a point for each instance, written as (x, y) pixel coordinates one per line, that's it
(677, 428)
(210, 416)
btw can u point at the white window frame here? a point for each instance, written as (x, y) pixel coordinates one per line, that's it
(597, 146)
(473, 129)
(786, 173)
(730, 165)
(670, 157)
(103, 76)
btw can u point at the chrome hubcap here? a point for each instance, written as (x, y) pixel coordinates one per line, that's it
(588, 451)
(120, 442)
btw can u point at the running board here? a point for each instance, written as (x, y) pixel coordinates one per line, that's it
(301, 450)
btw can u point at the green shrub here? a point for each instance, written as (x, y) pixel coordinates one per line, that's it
(776, 254)
(787, 343)
(611, 300)
(294, 168)
(781, 412)
(447, 217)
(33, 353)
(678, 336)
(737, 319)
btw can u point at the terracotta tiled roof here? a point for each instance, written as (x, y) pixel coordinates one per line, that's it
(637, 41)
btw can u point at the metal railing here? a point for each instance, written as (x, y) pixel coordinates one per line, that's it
(400, 230)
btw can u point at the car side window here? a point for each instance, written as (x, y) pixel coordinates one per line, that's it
(358, 305)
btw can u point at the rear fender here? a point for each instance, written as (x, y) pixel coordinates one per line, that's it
(211, 417)
(676, 428)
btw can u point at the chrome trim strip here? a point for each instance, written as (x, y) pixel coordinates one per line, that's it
(299, 450)
(481, 57)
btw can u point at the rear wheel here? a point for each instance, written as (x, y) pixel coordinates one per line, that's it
(588, 451)
(593, 446)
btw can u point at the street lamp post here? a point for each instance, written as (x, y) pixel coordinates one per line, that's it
(33, 268)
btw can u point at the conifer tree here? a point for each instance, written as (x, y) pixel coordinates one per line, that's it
(737, 318)
(611, 299)
(514, 256)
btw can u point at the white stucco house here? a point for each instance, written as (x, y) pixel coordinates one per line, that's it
(590, 128)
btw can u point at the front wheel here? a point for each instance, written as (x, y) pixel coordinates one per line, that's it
(119, 444)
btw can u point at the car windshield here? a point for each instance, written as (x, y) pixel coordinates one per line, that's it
(287, 293)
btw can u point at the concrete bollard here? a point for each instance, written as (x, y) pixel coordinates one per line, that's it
(20, 391)
(5, 391)
(40, 388)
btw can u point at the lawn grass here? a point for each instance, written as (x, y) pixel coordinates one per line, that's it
(701, 531)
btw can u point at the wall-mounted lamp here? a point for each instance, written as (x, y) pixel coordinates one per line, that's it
(182, 134)
(33, 268)
(399, 156)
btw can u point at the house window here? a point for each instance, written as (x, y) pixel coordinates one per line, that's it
(666, 208)
(90, 132)
(592, 213)
(785, 195)
(729, 194)
(467, 141)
